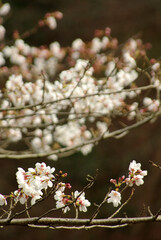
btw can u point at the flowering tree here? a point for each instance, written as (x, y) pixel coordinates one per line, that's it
(56, 101)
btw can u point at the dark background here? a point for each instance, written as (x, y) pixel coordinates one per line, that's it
(112, 157)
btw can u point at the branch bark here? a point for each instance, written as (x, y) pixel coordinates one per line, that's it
(77, 223)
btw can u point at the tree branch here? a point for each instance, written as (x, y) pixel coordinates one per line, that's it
(76, 223)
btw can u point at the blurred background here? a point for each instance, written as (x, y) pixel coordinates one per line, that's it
(81, 18)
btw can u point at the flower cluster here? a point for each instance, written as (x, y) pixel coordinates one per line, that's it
(32, 182)
(136, 176)
(61, 198)
(64, 201)
(59, 97)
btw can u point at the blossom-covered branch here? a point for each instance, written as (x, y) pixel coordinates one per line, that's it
(33, 185)
(56, 100)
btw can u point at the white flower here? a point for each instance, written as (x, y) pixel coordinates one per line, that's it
(102, 127)
(4, 10)
(129, 60)
(53, 157)
(20, 196)
(77, 44)
(7, 51)
(61, 200)
(20, 176)
(86, 149)
(14, 134)
(56, 50)
(155, 66)
(36, 144)
(110, 68)
(81, 65)
(47, 139)
(17, 59)
(19, 43)
(14, 82)
(60, 204)
(66, 209)
(136, 175)
(34, 198)
(44, 170)
(138, 179)
(81, 202)
(2, 200)
(61, 187)
(58, 195)
(38, 132)
(115, 198)
(147, 101)
(96, 45)
(143, 173)
(51, 22)
(105, 41)
(23, 198)
(151, 104)
(134, 166)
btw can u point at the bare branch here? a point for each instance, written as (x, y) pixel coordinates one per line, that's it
(73, 222)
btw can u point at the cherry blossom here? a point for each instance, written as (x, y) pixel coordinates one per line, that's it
(136, 175)
(115, 198)
(3, 200)
(76, 90)
(81, 202)
(62, 200)
(51, 22)
(5, 9)
(32, 182)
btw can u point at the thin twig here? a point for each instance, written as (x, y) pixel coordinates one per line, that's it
(122, 205)
(99, 207)
(154, 164)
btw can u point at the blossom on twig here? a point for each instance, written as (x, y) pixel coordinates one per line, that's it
(81, 202)
(115, 198)
(136, 175)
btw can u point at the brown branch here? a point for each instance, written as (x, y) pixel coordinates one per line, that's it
(72, 222)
